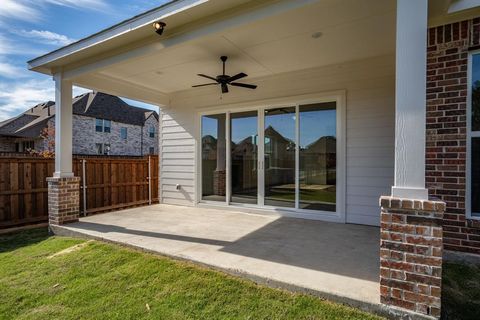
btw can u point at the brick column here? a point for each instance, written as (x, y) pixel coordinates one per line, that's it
(411, 254)
(63, 200)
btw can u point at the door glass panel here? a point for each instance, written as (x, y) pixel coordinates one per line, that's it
(318, 155)
(213, 157)
(475, 169)
(280, 157)
(244, 156)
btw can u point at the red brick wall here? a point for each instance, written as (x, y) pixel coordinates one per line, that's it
(411, 254)
(447, 59)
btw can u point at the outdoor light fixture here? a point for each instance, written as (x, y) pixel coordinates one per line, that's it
(159, 26)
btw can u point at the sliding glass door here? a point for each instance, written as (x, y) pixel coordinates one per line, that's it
(244, 157)
(214, 163)
(318, 156)
(279, 159)
(283, 157)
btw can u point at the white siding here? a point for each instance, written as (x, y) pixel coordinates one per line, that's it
(370, 96)
(177, 164)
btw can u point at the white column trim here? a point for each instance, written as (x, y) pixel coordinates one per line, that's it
(410, 99)
(63, 127)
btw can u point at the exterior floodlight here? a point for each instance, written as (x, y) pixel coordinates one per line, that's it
(159, 26)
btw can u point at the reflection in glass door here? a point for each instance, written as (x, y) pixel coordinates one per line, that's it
(294, 167)
(318, 156)
(279, 149)
(213, 157)
(244, 156)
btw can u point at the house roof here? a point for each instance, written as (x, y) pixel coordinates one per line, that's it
(93, 104)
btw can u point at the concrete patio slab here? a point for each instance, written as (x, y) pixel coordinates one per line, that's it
(334, 261)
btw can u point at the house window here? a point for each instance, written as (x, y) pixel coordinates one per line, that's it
(99, 148)
(474, 138)
(102, 125)
(24, 146)
(102, 148)
(151, 150)
(28, 145)
(99, 125)
(106, 148)
(151, 131)
(106, 126)
(123, 133)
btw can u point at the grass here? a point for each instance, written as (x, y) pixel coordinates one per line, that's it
(105, 281)
(461, 291)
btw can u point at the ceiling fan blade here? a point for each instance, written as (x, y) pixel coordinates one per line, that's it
(205, 76)
(237, 76)
(205, 84)
(224, 88)
(244, 85)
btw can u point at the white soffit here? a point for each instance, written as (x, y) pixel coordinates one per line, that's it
(351, 30)
(441, 12)
(460, 5)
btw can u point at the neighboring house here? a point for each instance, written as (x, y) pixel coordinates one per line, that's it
(102, 124)
(379, 97)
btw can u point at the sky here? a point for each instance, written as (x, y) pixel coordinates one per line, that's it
(30, 28)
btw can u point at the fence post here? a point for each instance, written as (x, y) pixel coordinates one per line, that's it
(84, 186)
(149, 179)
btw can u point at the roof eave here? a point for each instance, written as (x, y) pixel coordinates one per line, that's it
(40, 64)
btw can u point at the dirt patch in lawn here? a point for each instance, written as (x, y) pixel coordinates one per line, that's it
(70, 249)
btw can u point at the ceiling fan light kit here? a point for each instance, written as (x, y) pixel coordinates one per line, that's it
(225, 80)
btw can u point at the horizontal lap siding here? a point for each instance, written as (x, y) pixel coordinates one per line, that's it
(370, 147)
(369, 86)
(178, 159)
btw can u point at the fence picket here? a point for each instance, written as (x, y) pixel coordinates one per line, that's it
(112, 184)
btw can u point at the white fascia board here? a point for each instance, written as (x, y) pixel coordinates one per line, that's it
(129, 25)
(461, 5)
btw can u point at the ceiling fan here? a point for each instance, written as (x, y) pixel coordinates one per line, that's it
(226, 80)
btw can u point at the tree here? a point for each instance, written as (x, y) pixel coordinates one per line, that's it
(48, 136)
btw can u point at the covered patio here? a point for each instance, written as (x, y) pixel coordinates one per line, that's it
(335, 261)
(337, 119)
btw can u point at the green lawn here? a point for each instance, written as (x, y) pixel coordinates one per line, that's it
(105, 281)
(461, 291)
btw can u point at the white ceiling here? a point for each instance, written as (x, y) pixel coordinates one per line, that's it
(351, 30)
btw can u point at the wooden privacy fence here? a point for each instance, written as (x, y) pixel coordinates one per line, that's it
(107, 183)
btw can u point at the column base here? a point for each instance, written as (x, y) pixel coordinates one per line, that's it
(410, 193)
(63, 200)
(411, 254)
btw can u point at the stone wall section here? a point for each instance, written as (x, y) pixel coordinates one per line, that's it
(149, 142)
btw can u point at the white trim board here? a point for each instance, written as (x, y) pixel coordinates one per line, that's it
(470, 135)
